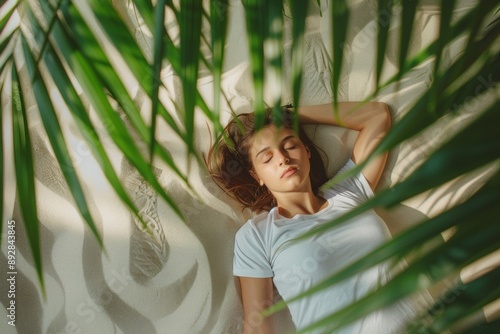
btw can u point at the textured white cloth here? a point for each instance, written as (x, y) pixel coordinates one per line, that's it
(262, 249)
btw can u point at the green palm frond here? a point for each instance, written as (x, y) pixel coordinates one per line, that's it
(340, 20)
(257, 30)
(218, 28)
(299, 11)
(87, 53)
(190, 28)
(25, 176)
(54, 132)
(384, 17)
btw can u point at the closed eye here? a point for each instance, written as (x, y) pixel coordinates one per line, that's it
(290, 143)
(267, 159)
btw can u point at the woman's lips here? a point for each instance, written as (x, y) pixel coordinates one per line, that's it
(289, 172)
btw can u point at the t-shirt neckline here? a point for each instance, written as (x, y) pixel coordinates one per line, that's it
(308, 215)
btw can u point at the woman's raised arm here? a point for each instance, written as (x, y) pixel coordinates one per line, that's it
(257, 294)
(372, 120)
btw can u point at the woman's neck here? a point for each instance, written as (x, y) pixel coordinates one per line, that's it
(292, 204)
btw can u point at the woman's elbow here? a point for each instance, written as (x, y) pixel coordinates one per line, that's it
(383, 115)
(257, 325)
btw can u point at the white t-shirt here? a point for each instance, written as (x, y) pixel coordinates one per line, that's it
(298, 266)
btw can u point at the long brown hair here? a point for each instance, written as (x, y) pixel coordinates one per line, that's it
(229, 161)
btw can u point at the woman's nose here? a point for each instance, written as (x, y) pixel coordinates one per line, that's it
(283, 159)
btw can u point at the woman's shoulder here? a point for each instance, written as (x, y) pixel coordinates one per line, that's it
(345, 183)
(258, 224)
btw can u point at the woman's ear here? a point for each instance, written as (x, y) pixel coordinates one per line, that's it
(308, 152)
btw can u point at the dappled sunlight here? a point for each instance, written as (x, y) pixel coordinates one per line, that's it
(97, 66)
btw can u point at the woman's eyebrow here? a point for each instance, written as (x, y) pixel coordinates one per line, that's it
(267, 147)
(263, 150)
(287, 137)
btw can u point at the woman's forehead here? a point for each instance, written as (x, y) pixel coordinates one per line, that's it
(270, 135)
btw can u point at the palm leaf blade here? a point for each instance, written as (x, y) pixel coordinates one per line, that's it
(272, 54)
(6, 10)
(7, 43)
(156, 69)
(445, 30)
(91, 84)
(25, 178)
(256, 14)
(458, 29)
(111, 81)
(123, 41)
(340, 18)
(407, 19)
(80, 33)
(146, 10)
(190, 30)
(423, 114)
(383, 22)
(467, 298)
(218, 28)
(56, 138)
(77, 108)
(299, 11)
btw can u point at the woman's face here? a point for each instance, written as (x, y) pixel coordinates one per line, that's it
(280, 160)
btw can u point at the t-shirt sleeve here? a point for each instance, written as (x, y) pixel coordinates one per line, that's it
(250, 259)
(355, 187)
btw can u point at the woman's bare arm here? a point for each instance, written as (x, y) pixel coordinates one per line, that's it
(372, 120)
(257, 294)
